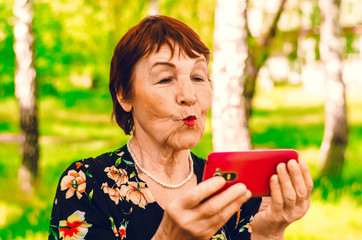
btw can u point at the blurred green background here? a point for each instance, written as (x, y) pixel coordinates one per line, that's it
(74, 42)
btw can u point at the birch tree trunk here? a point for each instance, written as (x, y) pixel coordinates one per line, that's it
(229, 122)
(25, 90)
(336, 128)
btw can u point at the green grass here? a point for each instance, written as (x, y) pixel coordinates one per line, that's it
(329, 221)
(77, 125)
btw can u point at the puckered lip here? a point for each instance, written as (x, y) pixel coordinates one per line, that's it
(190, 117)
(190, 120)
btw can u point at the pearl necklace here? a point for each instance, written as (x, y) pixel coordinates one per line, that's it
(158, 181)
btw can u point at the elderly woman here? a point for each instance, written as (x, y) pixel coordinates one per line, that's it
(151, 188)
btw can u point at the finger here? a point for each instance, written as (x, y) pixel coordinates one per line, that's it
(237, 192)
(287, 187)
(223, 205)
(306, 175)
(214, 212)
(222, 218)
(276, 194)
(297, 180)
(202, 191)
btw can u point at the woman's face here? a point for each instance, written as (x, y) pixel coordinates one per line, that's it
(171, 98)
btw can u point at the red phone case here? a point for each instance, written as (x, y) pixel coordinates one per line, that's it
(253, 168)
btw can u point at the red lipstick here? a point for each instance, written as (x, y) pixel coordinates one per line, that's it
(190, 120)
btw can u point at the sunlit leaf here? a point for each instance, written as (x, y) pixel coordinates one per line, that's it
(127, 162)
(118, 161)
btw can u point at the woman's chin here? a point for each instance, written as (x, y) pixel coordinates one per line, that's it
(186, 141)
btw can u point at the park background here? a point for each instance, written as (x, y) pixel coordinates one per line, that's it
(74, 42)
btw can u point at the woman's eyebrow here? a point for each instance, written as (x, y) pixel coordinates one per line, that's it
(201, 59)
(168, 64)
(163, 64)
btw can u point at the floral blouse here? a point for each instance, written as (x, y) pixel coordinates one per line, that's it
(103, 198)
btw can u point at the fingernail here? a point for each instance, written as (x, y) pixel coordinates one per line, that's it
(242, 186)
(291, 163)
(281, 166)
(274, 177)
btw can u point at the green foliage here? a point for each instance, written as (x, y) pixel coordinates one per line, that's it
(316, 16)
(198, 14)
(316, 48)
(7, 62)
(74, 40)
(349, 48)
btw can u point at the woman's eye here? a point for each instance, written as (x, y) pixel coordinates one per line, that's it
(165, 80)
(198, 79)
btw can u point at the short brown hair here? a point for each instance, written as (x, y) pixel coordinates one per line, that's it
(141, 40)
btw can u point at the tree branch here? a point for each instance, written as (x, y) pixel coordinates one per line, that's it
(273, 26)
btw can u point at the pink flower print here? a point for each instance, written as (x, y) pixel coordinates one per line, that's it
(137, 193)
(113, 193)
(118, 175)
(75, 183)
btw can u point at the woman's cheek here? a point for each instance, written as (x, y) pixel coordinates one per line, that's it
(206, 99)
(155, 110)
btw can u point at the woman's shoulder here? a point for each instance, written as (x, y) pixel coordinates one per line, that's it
(106, 159)
(98, 166)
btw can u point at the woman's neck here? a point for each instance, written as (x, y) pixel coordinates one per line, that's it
(166, 163)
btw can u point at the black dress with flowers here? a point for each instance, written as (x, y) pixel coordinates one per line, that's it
(103, 198)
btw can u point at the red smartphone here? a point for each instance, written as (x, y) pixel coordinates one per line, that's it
(252, 168)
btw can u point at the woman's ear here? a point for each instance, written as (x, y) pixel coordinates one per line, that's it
(126, 105)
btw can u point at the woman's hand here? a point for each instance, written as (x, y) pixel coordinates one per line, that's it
(290, 199)
(193, 217)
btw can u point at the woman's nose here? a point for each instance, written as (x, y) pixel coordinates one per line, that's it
(186, 92)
